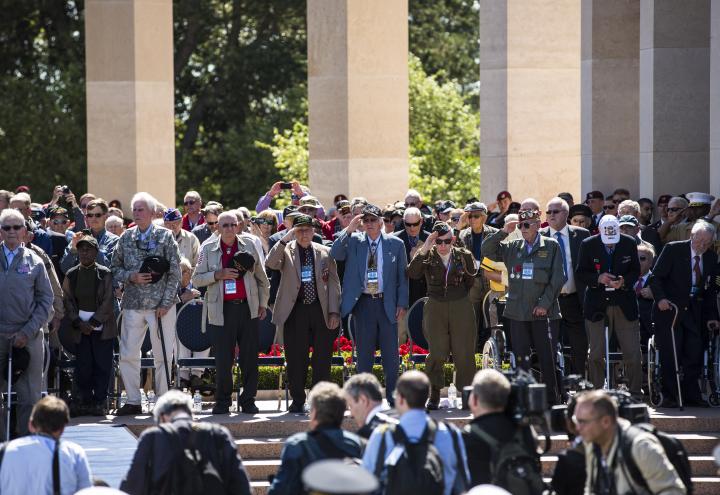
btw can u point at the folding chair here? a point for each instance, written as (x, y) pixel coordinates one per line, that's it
(189, 333)
(414, 322)
(267, 338)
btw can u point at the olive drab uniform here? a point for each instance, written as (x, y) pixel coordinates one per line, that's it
(448, 317)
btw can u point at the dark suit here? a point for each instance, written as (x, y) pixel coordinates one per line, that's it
(672, 279)
(377, 420)
(645, 311)
(572, 324)
(619, 307)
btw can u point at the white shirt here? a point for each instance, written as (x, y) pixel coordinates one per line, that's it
(373, 413)
(378, 261)
(569, 286)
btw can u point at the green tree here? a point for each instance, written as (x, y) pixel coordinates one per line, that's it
(444, 141)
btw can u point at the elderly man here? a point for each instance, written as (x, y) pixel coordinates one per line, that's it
(21, 202)
(608, 265)
(535, 267)
(499, 209)
(569, 238)
(193, 216)
(307, 305)
(58, 310)
(472, 239)
(310, 206)
(147, 262)
(685, 276)
(363, 394)
(95, 216)
(630, 226)
(188, 244)
(375, 290)
(210, 227)
(412, 236)
(413, 199)
(27, 299)
(680, 222)
(448, 318)
(646, 256)
(236, 297)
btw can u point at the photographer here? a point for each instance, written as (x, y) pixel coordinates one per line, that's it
(597, 422)
(488, 402)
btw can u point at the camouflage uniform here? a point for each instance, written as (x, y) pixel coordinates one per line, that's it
(139, 303)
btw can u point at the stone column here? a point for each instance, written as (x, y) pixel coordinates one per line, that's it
(610, 92)
(715, 99)
(358, 98)
(130, 109)
(674, 96)
(530, 98)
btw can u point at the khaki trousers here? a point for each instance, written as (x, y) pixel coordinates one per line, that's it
(628, 336)
(449, 326)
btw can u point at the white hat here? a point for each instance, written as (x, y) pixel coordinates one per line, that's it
(488, 490)
(609, 228)
(699, 198)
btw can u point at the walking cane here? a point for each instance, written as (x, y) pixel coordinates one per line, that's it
(607, 353)
(677, 368)
(9, 393)
(162, 345)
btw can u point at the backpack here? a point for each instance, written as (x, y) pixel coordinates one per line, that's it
(329, 449)
(418, 470)
(513, 466)
(191, 472)
(674, 450)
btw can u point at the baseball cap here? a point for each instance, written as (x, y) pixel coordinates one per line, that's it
(172, 214)
(609, 229)
(628, 220)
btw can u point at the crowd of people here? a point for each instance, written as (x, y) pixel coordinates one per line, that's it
(71, 266)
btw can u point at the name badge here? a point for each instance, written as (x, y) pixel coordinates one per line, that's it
(372, 280)
(527, 271)
(231, 287)
(24, 268)
(306, 273)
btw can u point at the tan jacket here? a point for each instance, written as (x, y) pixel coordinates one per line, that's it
(256, 282)
(651, 460)
(286, 260)
(189, 246)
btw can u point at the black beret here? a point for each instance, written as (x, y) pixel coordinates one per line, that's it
(580, 209)
(243, 261)
(157, 266)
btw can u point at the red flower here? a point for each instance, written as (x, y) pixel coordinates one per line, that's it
(346, 348)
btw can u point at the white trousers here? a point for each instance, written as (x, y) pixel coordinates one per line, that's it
(134, 324)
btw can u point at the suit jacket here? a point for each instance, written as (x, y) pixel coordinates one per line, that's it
(286, 260)
(577, 235)
(353, 249)
(672, 277)
(593, 260)
(417, 287)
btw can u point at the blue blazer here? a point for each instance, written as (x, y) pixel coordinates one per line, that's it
(353, 249)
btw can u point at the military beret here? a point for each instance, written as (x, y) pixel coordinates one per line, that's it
(580, 209)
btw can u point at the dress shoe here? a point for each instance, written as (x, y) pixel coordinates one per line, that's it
(221, 409)
(296, 408)
(129, 410)
(250, 408)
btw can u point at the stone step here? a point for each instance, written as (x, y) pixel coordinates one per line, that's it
(696, 444)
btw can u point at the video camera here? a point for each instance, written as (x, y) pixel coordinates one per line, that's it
(628, 408)
(527, 402)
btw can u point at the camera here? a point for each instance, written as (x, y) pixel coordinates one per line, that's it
(285, 185)
(65, 190)
(527, 402)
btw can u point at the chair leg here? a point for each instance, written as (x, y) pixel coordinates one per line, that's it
(280, 383)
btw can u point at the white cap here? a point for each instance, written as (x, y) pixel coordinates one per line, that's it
(699, 198)
(488, 490)
(609, 228)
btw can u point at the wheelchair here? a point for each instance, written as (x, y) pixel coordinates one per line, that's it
(495, 351)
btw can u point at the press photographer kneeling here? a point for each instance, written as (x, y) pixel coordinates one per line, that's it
(494, 438)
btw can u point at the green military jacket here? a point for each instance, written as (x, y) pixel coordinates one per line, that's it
(534, 279)
(445, 284)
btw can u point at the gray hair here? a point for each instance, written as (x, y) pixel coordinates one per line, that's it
(678, 199)
(9, 213)
(491, 388)
(412, 193)
(365, 384)
(229, 214)
(143, 197)
(532, 202)
(558, 200)
(193, 194)
(22, 196)
(171, 401)
(412, 212)
(703, 226)
(113, 220)
(632, 208)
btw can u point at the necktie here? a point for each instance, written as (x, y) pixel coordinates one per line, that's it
(413, 241)
(697, 271)
(638, 286)
(560, 240)
(373, 249)
(309, 293)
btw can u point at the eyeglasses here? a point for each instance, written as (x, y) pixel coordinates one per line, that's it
(609, 207)
(553, 212)
(583, 421)
(228, 225)
(94, 215)
(443, 241)
(526, 225)
(60, 222)
(211, 223)
(410, 205)
(189, 202)
(674, 209)
(8, 228)
(455, 219)
(413, 224)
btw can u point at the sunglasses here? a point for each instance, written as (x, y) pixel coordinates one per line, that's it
(413, 224)
(476, 216)
(8, 228)
(410, 205)
(455, 219)
(609, 207)
(189, 202)
(211, 223)
(60, 222)
(370, 219)
(674, 209)
(94, 215)
(263, 221)
(228, 225)
(443, 241)
(526, 225)
(387, 220)
(553, 212)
